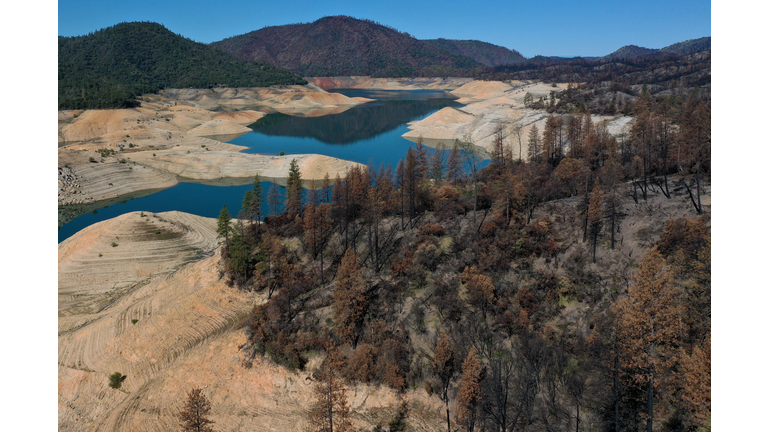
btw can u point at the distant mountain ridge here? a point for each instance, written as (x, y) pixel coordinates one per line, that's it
(690, 46)
(110, 67)
(344, 46)
(483, 52)
(680, 48)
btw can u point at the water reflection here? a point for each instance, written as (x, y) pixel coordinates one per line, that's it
(369, 134)
(358, 123)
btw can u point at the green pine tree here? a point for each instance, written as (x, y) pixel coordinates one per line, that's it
(256, 198)
(293, 189)
(224, 228)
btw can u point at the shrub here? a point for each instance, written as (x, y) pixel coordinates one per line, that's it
(116, 380)
(432, 229)
(134, 321)
(91, 160)
(361, 365)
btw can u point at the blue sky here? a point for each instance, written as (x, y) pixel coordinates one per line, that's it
(565, 28)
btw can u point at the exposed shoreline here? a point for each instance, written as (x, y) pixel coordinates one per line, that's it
(490, 105)
(106, 154)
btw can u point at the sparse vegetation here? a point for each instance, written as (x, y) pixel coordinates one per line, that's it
(194, 414)
(116, 380)
(395, 261)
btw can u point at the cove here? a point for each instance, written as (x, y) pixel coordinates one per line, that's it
(368, 133)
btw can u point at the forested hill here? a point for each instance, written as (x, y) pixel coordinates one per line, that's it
(686, 47)
(628, 51)
(483, 52)
(690, 46)
(110, 67)
(344, 46)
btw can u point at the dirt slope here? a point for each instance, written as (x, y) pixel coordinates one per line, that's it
(491, 105)
(155, 309)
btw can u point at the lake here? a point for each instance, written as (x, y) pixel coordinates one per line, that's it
(368, 133)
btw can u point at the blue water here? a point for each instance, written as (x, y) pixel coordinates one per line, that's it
(369, 134)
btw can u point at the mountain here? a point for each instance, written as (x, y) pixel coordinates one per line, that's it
(483, 52)
(690, 46)
(344, 46)
(628, 51)
(110, 67)
(680, 48)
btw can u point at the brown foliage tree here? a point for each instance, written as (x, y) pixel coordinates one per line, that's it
(648, 325)
(454, 169)
(361, 365)
(443, 366)
(194, 413)
(498, 150)
(595, 217)
(330, 411)
(349, 299)
(470, 393)
(480, 288)
(437, 164)
(534, 145)
(392, 363)
(696, 384)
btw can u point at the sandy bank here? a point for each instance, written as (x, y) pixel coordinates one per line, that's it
(492, 105)
(275, 98)
(363, 82)
(104, 154)
(221, 164)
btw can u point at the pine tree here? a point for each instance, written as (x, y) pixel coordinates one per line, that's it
(497, 149)
(349, 299)
(437, 164)
(649, 327)
(400, 175)
(454, 169)
(534, 145)
(194, 413)
(595, 216)
(470, 394)
(273, 199)
(224, 229)
(330, 411)
(411, 178)
(293, 189)
(256, 198)
(422, 162)
(696, 384)
(549, 141)
(612, 173)
(444, 366)
(326, 188)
